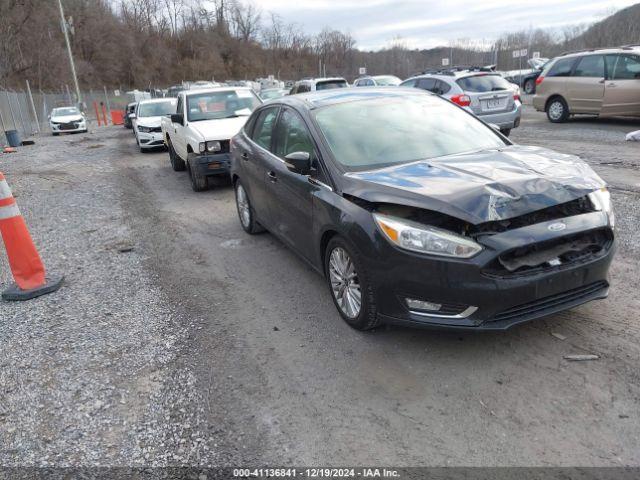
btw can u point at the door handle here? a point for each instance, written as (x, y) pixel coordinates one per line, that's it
(272, 176)
(245, 156)
(611, 85)
(602, 81)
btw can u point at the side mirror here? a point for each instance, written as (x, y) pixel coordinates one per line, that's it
(177, 118)
(298, 162)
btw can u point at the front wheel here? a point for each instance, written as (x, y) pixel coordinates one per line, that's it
(557, 110)
(349, 285)
(199, 182)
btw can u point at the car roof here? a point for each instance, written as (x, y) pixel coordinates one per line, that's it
(157, 100)
(199, 91)
(323, 98)
(602, 51)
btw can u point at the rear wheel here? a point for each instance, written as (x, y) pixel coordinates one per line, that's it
(557, 110)
(177, 163)
(529, 86)
(505, 131)
(349, 285)
(245, 211)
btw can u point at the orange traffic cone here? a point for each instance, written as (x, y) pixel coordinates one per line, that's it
(24, 261)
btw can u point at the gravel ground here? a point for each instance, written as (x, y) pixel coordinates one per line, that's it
(179, 340)
(89, 375)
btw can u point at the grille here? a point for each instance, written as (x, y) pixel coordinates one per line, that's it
(553, 301)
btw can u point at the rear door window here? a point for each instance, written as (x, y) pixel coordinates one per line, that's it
(623, 67)
(483, 83)
(562, 68)
(263, 130)
(442, 87)
(590, 66)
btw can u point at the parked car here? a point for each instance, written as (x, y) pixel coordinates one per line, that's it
(418, 213)
(314, 84)
(67, 120)
(272, 93)
(377, 81)
(527, 78)
(485, 94)
(147, 121)
(603, 82)
(129, 112)
(198, 133)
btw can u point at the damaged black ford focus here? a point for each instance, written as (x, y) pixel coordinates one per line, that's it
(418, 213)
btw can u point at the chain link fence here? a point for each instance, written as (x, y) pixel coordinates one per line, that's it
(27, 111)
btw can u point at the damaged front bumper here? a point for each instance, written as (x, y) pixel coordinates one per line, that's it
(481, 293)
(211, 164)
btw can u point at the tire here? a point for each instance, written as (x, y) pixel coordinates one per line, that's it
(199, 182)
(505, 131)
(246, 213)
(557, 110)
(343, 286)
(529, 87)
(55, 134)
(177, 163)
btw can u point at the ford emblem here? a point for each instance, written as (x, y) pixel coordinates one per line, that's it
(557, 227)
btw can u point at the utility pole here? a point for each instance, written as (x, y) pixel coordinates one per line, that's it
(73, 65)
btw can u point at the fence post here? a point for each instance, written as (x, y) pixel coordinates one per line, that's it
(33, 107)
(13, 118)
(106, 97)
(95, 105)
(24, 126)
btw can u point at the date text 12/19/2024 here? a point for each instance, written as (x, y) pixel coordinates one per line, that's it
(315, 473)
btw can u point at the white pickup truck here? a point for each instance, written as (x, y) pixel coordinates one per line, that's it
(197, 136)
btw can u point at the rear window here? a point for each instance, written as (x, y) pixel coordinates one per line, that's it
(561, 68)
(329, 84)
(483, 83)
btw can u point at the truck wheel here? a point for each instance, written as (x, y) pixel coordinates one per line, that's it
(529, 87)
(199, 182)
(177, 163)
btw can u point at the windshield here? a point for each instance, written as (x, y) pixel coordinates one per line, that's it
(380, 132)
(388, 81)
(223, 104)
(156, 109)
(65, 111)
(483, 83)
(329, 84)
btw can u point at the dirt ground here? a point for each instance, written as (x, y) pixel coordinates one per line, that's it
(178, 339)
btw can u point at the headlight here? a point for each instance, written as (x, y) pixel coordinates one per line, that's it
(144, 129)
(210, 147)
(425, 239)
(601, 201)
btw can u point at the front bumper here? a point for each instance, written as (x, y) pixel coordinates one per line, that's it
(504, 120)
(150, 140)
(71, 127)
(499, 301)
(211, 164)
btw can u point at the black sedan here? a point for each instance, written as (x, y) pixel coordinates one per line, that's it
(418, 213)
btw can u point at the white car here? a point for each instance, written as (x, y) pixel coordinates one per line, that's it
(67, 120)
(147, 121)
(198, 133)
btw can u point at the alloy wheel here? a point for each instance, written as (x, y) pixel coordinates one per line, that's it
(244, 210)
(556, 110)
(345, 285)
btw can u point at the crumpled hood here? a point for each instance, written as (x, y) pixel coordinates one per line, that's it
(222, 129)
(151, 122)
(66, 118)
(480, 187)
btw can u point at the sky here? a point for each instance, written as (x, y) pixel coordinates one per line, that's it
(430, 23)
